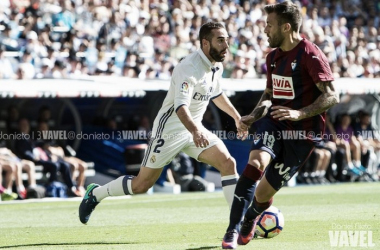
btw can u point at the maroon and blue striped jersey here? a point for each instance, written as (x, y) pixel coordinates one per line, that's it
(293, 75)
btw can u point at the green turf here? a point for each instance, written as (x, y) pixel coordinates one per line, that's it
(190, 221)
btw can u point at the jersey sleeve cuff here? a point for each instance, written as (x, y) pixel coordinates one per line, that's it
(216, 96)
(179, 107)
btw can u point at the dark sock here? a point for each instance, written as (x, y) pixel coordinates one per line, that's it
(244, 193)
(257, 208)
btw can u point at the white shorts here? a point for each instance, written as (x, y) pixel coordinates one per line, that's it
(161, 151)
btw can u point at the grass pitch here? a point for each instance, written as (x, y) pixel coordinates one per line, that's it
(190, 221)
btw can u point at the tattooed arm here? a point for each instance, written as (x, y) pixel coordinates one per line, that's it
(261, 108)
(326, 100)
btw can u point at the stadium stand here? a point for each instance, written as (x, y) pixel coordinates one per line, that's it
(145, 39)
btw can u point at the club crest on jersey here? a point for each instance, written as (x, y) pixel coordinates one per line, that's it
(282, 87)
(185, 88)
(294, 64)
(153, 159)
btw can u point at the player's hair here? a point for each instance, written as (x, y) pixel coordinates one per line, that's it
(205, 31)
(287, 12)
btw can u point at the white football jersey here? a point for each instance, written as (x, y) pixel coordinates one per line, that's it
(194, 82)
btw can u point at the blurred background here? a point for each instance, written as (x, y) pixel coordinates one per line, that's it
(103, 66)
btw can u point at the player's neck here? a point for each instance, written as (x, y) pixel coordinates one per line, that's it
(291, 42)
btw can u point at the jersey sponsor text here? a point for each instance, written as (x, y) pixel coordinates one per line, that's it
(282, 87)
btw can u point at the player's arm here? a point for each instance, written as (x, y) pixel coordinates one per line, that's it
(261, 108)
(223, 103)
(326, 100)
(184, 115)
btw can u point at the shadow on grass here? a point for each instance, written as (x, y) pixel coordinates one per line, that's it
(67, 244)
(203, 248)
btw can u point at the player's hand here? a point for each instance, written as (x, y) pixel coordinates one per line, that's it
(200, 139)
(285, 113)
(247, 120)
(242, 130)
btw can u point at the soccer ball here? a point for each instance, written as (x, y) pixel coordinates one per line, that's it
(270, 223)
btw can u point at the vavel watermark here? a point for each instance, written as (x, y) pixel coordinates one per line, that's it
(351, 235)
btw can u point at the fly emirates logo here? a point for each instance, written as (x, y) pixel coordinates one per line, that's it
(282, 87)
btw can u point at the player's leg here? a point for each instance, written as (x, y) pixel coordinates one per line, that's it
(245, 189)
(264, 148)
(262, 200)
(258, 160)
(124, 185)
(219, 157)
(278, 172)
(216, 155)
(159, 152)
(128, 184)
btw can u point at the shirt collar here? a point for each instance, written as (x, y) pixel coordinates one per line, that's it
(206, 60)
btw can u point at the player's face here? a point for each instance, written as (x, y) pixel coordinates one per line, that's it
(273, 31)
(218, 47)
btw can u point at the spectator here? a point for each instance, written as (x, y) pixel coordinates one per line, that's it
(25, 148)
(141, 27)
(6, 190)
(18, 166)
(77, 166)
(6, 68)
(369, 143)
(345, 139)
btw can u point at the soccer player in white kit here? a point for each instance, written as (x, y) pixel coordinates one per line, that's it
(178, 126)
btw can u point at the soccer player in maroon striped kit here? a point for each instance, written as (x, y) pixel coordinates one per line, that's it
(299, 90)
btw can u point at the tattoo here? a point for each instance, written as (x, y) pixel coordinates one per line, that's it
(259, 112)
(267, 95)
(326, 100)
(263, 105)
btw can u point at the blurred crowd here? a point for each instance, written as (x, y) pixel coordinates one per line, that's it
(146, 38)
(350, 152)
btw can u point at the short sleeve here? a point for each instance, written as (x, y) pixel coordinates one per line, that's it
(269, 59)
(184, 87)
(317, 65)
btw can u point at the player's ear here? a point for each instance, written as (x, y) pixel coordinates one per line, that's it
(286, 27)
(205, 42)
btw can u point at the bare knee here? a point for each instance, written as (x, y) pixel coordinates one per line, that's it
(28, 166)
(8, 168)
(258, 163)
(227, 166)
(327, 154)
(259, 159)
(82, 168)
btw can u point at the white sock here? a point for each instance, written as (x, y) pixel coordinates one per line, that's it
(350, 165)
(113, 188)
(20, 189)
(229, 185)
(357, 163)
